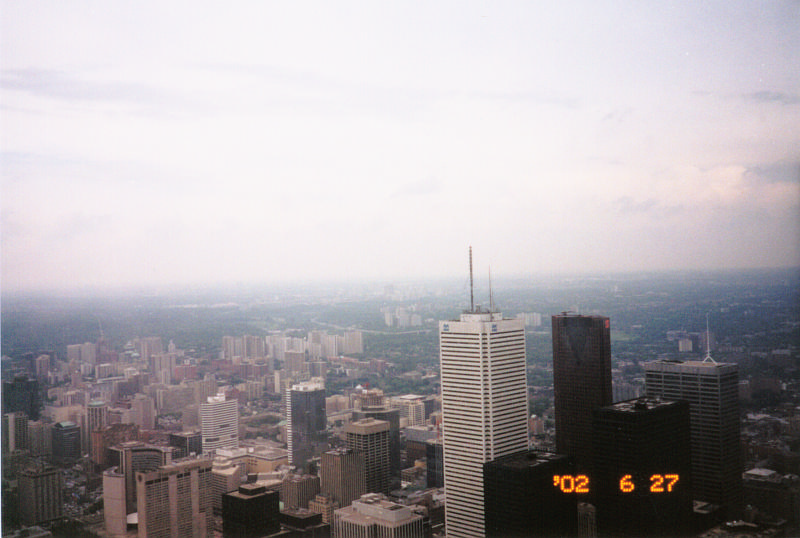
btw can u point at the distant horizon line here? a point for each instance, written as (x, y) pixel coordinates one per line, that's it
(374, 281)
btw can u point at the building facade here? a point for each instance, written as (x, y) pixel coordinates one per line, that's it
(370, 437)
(219, 424)
(306, 422)
(642, 479)
(484, 408)
(711, 388)
(372, 516)
(40, 495)
(520, 499)
(174, 501)
(343, 475)
(581, 381)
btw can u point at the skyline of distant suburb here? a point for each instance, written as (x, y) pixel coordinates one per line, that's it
(149, 143)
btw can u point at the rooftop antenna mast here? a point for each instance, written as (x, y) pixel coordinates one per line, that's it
(491, 295)
(471, 296)
(708, 344)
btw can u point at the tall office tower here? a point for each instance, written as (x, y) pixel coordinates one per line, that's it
(371, 438)
(250, 512)
(581, 381)
(219, 423)
(434, 463)
(306, 422)
(187, 443)
(521, 499)
(175, 500)
(392, 416)
(484, 408)
(15, 432)
(66, 441)
(641, 479)
(343, 475)
(373, 515)
(22, 394)
(40, 495)
(711, 388)
(96, 415)
(96, 420)
(297, 490)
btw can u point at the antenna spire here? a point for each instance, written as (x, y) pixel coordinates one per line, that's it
(708, 344)
(491, 295)
(471, 296)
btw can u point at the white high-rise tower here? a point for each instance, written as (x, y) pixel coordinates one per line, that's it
(219, 424)
(484, 407)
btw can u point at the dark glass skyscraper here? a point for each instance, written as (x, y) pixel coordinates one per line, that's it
(641, 472)
(520, 497)
(306, 424)
(581, 381)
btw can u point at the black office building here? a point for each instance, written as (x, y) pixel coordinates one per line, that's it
(250, 512)
(523, 497)
(642, 465)
(22, 395)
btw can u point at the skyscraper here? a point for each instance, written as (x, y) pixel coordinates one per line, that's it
(370, 437)
(40, 495)
(521, 500)
(711, 388)
(343, 475)
(641, 475)
(306, 422)
(250, 512)
(175, 500)
(484, 408)
(219, 423)
(581, 381)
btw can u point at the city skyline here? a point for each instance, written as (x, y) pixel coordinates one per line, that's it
(149, 144)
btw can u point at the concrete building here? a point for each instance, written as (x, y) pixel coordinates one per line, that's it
(372, 516)
(581, 381)
(325, 505)
(175, 500)
(128, 458)
(219, 424)
(40, 495)
(343, 475)
(412, 408)
(298, 490)
(711, 388)
(370, 437)
(484, 408)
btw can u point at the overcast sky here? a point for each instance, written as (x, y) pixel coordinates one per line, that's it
(159, 142)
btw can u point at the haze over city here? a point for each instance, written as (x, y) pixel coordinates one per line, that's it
(145, 143)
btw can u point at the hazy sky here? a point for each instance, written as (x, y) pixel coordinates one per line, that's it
(157, 142)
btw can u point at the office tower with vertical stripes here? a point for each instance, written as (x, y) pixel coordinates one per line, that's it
(711, 388)
(484, 408)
